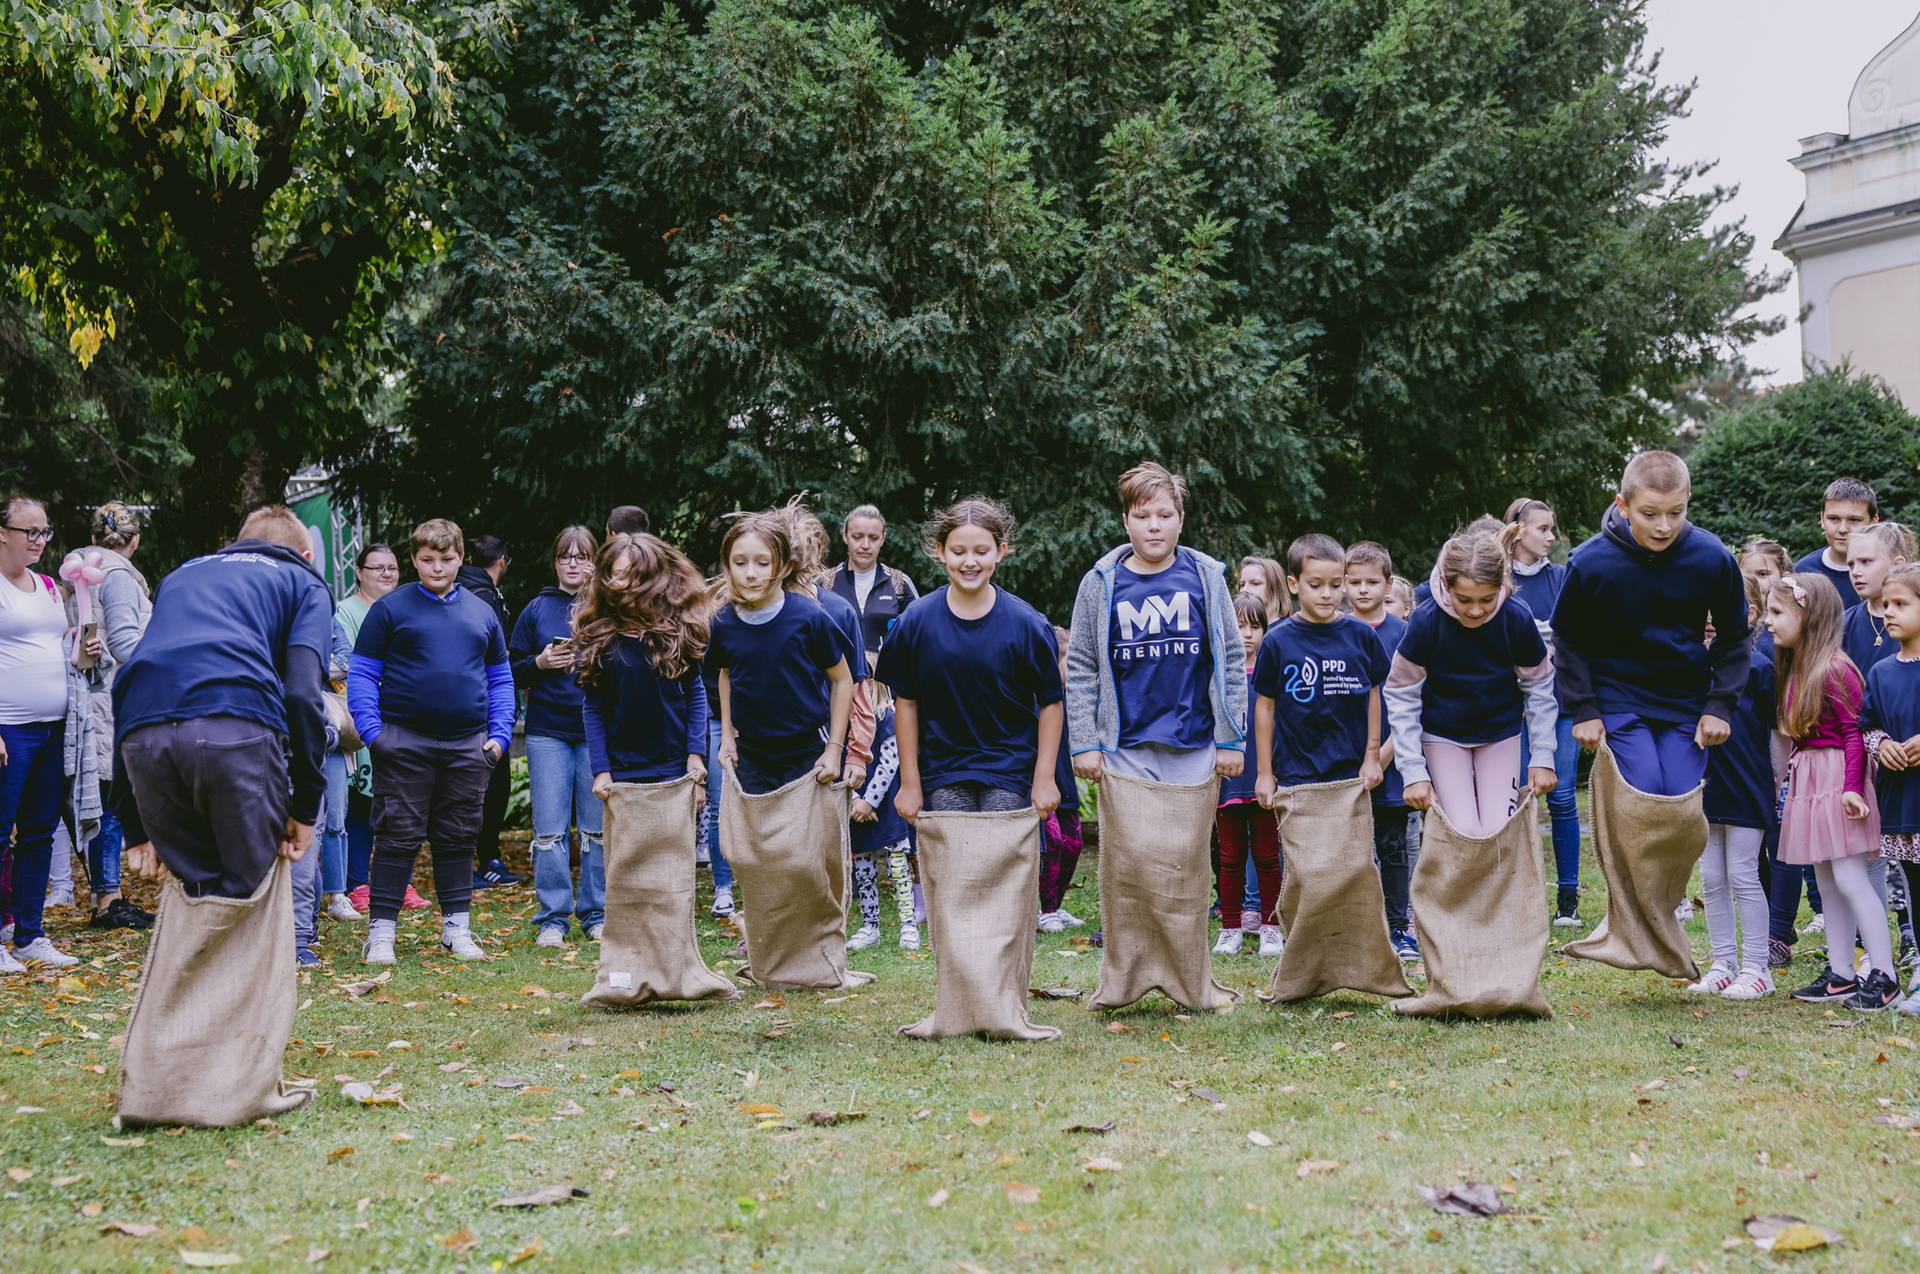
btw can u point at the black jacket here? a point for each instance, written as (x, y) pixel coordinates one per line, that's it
(892, 593)
(476, 581)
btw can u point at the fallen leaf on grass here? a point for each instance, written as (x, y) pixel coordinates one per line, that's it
(1740, 1072)
(1100, 1163)
(1096, 1129)
(526, 1253)
(18, 1175)
(760, 1109)
(937, 1198)
(1054, 993)
(92, 1210)
(564, 1192)
(1259, 1138)
(1788, 1234)
(1020, 1193)
(64, 1182)
(368, 1095)
(132, 1229)
(1118, 1028)
(1676, 1041)
(1889, 1119)
(510, 1081)
(1900, 1041)
(339, 1152)
(1309, 1167)
(517, 1136)
(358, 989)
(315, 1255)
(1634, 1160)
(828, 1118)
(1470, 1198)
(461, 1240)
(123, 1141)
(1653, 1086)
(207, 1260)
(451, 1067)
(1209, 1096)
(979, 1119)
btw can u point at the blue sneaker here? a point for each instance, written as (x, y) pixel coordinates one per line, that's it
(1404, 945)
(306, 958)
(496, 876)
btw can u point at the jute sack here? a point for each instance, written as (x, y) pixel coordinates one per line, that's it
(215, 1007)
(981, 875)
(1330, 899)
(789, 852)
(1155, 887)
(1647, 845)
(648, 950)
(1480, 909)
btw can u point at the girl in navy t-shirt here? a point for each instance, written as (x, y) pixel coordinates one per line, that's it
(785, 689)
(1891, 719)
(975, 675)
(1471, 672)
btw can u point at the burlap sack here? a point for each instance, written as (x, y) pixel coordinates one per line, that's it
(214, 1010)
(648, 950)
(1480, 910)
(1155, 886)
(1330, 899)
(1647, 846)
(981, 876)
(790, 854)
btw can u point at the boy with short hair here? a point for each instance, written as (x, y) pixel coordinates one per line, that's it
(431, 693)
(1156, 680)
(1631, 659)
(1369, 579)
(1846, 504)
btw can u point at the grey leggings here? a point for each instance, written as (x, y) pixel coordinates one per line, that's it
(975, 798)
(1730, 869)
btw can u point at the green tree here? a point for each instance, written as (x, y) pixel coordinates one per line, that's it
(225, 193)
(1761, 469)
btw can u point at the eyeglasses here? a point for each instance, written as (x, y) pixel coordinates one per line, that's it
(573, 559)
(34, 534)
(391, 569)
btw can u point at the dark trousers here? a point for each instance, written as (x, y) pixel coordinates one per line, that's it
(1246, 832)
(493, 812)
(432, 790)
(359, 838)
(31, 784)
(213, 793)
(1395, 856)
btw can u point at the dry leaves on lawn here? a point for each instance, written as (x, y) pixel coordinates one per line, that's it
(979, 1119)
(562, 1192)
(1789, 1234)
(1100, 1129)
(1019, 1192)
(207, 1260)
(1259, 1138)
(1312, 1167)
(1100, 1163)
(828, 1118)
(527, 1253)
(1889, 1119)
(132, 1229)
(938, 1198)
(1470, 1198)
(461, 1240)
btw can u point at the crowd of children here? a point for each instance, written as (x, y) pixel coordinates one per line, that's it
(1789, 691)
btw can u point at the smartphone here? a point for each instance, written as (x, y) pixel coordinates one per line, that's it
(88, 632)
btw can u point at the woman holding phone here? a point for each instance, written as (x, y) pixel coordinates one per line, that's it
(559, 771)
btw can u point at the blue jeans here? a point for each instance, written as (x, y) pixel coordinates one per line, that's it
(306, 897)
(30, 785)
(560, 781)
(716, 783)
(1657, 757)
(1563, 805)
(332, 839)
(103, 855)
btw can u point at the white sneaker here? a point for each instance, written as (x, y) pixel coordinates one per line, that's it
(340, 909)
(6, 933)
(595, 929)
(1228, 942)
(722, 903)
(1067, 919)
(1249, 920)
(459, 944)
(1752, 984)
(1273, 943)
(1684, 912)
(59, 898)
(1817, 925)
(865, 936)
(909, 937)
(8, 964)
(1566, 922)
(550, 936)
(1909, 1005)
(1714, 980)
(377, 949)
(41, 951)
(1050, 922)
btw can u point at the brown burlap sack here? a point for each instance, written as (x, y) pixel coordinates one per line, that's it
(648, 950)
(790, 854)
(981, 876)
(1330, 899)
(1480, 910)
(1647, 846)
(214, 1010)
(1155, 887)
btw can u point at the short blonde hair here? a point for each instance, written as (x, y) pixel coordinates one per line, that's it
(439, 535)
(1146, 480)
(1894, 537)
(1655, 471)
(277, 524)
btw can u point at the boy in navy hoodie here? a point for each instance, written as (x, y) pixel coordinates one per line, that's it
(1631, 657)
(1846, 504)
(431, 692)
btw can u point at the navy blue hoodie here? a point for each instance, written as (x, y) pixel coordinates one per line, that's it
(1629, 628)
(553, 696)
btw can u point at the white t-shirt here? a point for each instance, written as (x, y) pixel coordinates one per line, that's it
(863, 585)
(33, 671)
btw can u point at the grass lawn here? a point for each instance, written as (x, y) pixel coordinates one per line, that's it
(1636, 1130)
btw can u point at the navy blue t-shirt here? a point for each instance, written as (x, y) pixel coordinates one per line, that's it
(979, 685)
(553, 696)
(641, 727)
(1864, 638)
(777, 670)
(1240, 786)
(1063, 773)
(1893, 704)
(1319, 677)
(1740, 789)
(1391, 630)
(1816, 563)
(430, 656)
(1157, 649)
(846, 620)
(1541, 590)
(216, 645)
(1472, 696)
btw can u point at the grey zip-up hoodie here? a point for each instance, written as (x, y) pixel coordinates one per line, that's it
(1093, 705)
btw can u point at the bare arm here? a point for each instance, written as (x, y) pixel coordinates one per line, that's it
(906, 732)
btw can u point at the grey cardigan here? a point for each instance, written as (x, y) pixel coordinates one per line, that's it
(1093, 706)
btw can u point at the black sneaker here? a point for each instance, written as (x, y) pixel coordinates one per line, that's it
(1828, 987)
(1876, 995)
(121, 914)
(1779, 954)
(494, 875)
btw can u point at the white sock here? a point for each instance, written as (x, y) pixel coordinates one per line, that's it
(453, 920)
(381, 929)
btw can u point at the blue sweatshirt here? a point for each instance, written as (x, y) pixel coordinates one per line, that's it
(434, 665)
(1630, 628)
(1815, 563)
(1864, 637)
(1892, 706)
(641, 727)
(1541, 589)
(1740, 788)
(553, 696)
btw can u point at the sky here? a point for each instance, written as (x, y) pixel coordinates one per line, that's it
(1768, 73)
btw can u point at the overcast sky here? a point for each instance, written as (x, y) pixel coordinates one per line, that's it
(1769, 72)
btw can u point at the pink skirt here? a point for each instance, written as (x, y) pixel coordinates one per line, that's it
(1814, 828)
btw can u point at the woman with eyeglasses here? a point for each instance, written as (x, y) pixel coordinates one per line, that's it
(559, 771)
(33, 723)
(376, 572)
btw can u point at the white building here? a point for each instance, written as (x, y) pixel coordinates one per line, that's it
(1856, 240)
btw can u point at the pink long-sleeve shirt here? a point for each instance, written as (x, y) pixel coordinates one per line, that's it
(1839, 724)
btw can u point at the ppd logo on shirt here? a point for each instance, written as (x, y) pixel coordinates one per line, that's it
(1309, 677)
(1173, 611)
